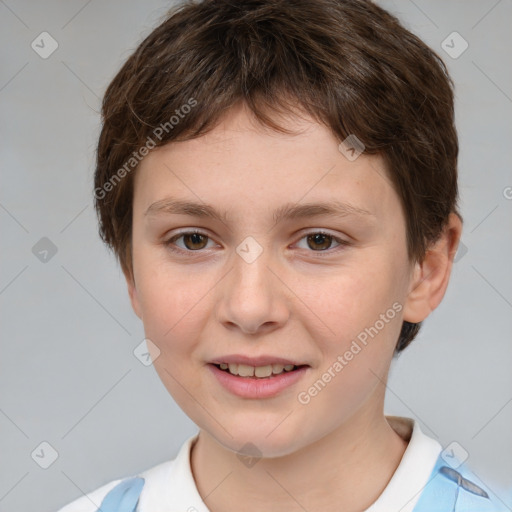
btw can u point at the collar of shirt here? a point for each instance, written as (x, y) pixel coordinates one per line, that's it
(170, 486)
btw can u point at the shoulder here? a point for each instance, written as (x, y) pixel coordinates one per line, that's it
(430, 479)
(90, 502)
(129, 489)
(457, 486)
(150, 485)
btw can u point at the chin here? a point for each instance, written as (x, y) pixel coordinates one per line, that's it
(254, 439)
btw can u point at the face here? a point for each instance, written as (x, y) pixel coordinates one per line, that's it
(255, 275)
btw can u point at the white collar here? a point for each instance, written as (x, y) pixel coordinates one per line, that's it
(410, 477)
(170, 486)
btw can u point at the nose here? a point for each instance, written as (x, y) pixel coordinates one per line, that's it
(253, 296)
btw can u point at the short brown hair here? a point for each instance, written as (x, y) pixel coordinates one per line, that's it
(349, 64)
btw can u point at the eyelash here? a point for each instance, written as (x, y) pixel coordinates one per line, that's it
(170, 242)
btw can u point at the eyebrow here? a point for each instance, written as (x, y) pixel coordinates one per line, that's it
(288, 211)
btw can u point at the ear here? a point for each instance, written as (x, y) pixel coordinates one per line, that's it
(132, 292)
(430, 277)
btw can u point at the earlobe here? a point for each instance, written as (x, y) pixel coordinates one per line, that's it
(430, 277)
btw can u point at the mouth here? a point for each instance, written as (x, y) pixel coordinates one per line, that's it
(265, 378)
(257, 372)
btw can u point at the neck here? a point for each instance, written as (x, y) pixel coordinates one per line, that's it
(345, 470)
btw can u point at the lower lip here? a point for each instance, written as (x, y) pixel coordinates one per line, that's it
(250, 387)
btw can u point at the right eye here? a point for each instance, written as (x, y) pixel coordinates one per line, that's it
(193, 241)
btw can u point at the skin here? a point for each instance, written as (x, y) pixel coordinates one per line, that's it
(302, 300)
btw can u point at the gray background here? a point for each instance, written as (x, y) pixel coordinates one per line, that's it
(68, 375)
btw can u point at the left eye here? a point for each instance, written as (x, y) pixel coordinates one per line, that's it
(321, 241)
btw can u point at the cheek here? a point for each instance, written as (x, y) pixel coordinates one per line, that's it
(365, 315)
(173, 306)
(366, 320)
(175, 313)
(346, 305)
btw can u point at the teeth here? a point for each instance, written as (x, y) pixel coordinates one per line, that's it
(244, 370)
(263, 371)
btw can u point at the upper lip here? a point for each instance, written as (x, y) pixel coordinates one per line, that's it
(254, 361)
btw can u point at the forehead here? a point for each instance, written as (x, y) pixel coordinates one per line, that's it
(245, 168)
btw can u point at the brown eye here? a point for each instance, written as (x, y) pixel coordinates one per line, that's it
(194, 241)
(319, 241)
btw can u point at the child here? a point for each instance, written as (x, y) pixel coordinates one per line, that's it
(278, 180)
